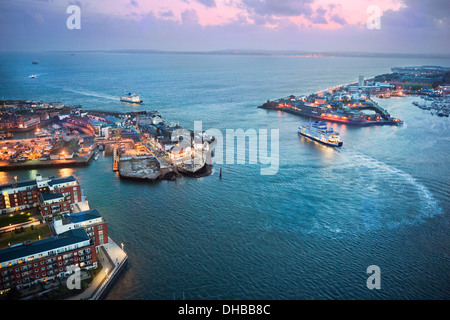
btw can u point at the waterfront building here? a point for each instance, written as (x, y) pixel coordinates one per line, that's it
(18, 196)
(68, 186)
(26, 123)
(22, 195)
(52, 204)
(90, 220)
(30, 263)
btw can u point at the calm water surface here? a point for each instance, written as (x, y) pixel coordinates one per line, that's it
(308, 232)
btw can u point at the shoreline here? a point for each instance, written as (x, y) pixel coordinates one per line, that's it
(47, 164)
(350, 123)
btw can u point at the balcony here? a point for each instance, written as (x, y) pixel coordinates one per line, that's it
(25, 268)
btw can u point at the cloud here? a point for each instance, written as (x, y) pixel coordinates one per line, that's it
(35, 17)
(244, 24)
(167, 13)
(416, 14)
(77, 3)
(134, 3)
(189, 17)
(208, 3)
(338, 19)
(279, 8)
(319, 16)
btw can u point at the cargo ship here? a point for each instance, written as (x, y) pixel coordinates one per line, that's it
(131, 98)
(318, 131)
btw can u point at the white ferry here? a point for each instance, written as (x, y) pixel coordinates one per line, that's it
(131, 98)
(319, 132)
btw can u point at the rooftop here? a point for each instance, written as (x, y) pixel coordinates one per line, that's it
(29, 183)
(81, 216)
(62, 180)
(51, 196)
(64, 239)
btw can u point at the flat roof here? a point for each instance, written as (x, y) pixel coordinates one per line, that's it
(81, 216)
(64, 239)
(62, 180)
(51, 196)
(28, 183)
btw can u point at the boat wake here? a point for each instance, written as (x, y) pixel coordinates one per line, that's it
(379, 170)
(92, 94)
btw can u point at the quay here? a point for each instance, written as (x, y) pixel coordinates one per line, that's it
(342, 104)
(142, 144)
(114, 261)
(41, 164)
(358, 120)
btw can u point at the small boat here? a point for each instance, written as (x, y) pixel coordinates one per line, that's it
(318, 131)
(33, 76)
(96, 157)
(35, 62)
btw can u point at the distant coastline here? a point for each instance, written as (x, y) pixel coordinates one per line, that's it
(284, 53)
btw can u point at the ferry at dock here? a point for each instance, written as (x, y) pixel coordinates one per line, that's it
(131, 98)
(318, 131)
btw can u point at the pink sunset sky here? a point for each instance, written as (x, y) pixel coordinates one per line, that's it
(190, 25)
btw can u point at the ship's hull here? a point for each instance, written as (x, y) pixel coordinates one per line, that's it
(129, 101)
(339, 144)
